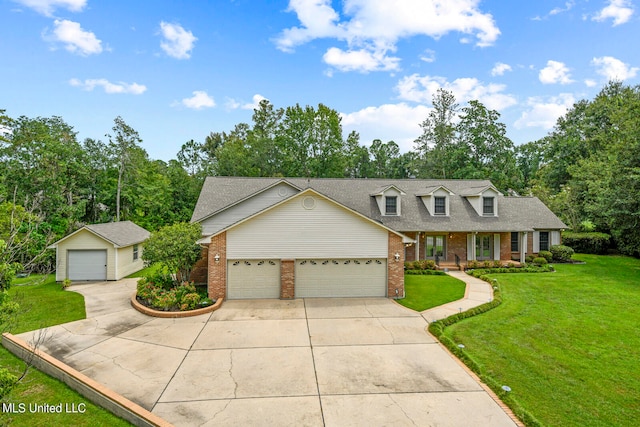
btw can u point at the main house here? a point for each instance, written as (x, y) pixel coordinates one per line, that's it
(299, 237)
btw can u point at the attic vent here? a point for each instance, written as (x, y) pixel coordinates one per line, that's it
(309, 202)
(282, 192)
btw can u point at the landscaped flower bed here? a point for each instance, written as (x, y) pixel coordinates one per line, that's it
(161, 293)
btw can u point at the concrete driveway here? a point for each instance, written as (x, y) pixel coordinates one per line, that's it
(305, 362)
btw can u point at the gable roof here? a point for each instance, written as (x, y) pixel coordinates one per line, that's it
(516, 213)
(120, 234)
(405, 239)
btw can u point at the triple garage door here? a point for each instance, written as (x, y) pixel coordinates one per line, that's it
(87, 264)
(341, 278)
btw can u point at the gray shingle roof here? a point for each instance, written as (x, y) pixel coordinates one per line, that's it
(515, 213)
(123, 233)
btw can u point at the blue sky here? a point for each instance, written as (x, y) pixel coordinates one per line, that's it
(177, 70)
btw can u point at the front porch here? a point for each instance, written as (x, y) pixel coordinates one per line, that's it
(455, 250)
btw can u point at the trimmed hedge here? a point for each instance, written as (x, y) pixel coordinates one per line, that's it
(561, 252)
(426, 272)
(423, 264)
(587, 243)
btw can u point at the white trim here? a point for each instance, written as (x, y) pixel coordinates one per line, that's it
(496, 247)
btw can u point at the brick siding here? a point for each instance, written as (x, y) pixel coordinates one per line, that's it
(395, 269)
(217, 283)
(287, 279)
(199, 273)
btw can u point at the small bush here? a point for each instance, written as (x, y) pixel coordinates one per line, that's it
(562, 253)
(587, 243)
(189, 301)
(423, 264)
(546, 255)
(540, 261)
(426, 272)
(473, 264)
(528, 259)
(7, 382)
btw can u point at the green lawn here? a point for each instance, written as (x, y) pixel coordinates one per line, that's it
(567, 343)
(44, 304)
(424, 292)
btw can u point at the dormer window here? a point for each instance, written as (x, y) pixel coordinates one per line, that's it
(440, 206)
(487, 206)
(391, 205)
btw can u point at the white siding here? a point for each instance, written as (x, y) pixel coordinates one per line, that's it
(83, 240)
(126, 264)
(247, 208)
(292, 230)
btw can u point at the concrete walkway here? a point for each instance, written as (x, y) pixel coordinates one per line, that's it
(303, 362)
(478, 292)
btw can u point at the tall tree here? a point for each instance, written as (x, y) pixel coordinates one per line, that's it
(438, 134)
(123, 146)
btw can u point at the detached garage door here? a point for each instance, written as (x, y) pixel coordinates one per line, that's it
(253, 278)
(341, 278)
(87, 264)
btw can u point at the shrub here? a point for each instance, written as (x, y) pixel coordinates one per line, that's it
(529, 259)
(426, 272)
(561, 252)
(473, 264)
(540, 261)
(7, 382)
(587, 243)
(165, 300)
(190, 301)
(423, 264)
(161, 279)
(546, 255)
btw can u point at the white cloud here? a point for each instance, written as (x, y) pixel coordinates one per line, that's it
(428, 56)
(120, 87)
(388, 122)
(567, 7)
(544, 113)
(47, 7)
(375, 26)
(500, 68)
(590, 83)
(361, 60)
(233, 104)
(555, 72)
(198, 101)
(613, 69)
(422, 88)
(74, 38)
(177, 42)
(618, 10)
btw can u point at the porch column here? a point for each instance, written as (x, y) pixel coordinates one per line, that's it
(417, 246)
(523, 246)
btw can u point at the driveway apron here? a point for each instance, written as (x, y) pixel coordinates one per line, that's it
(303, 362)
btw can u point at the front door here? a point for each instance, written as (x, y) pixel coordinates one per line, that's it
(484, 247)
(434, 245)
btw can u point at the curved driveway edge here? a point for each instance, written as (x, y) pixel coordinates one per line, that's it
(308, 362)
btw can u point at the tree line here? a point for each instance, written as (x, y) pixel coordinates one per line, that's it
(587, 169)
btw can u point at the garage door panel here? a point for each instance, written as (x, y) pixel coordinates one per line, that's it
(341, 278)
(253, 279)
(87, 264)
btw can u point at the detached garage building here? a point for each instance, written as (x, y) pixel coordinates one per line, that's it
(108, 251)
